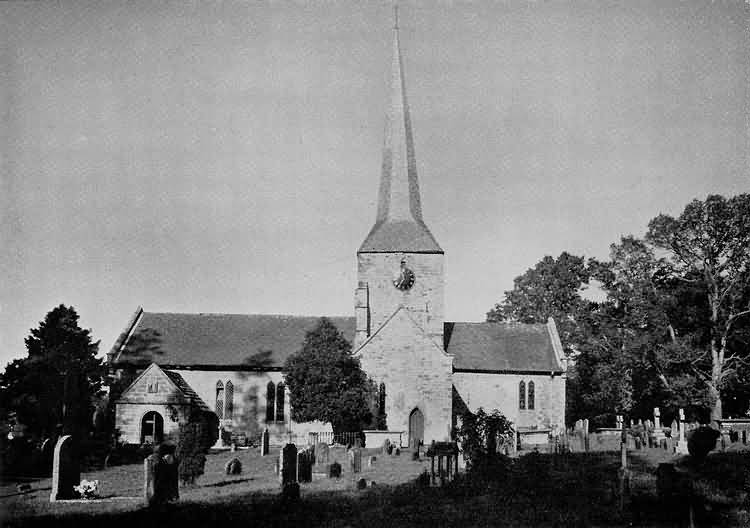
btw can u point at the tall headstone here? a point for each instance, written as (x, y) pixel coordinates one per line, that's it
(66, 471)
(657, 418)
(355, 460)
(322, 454)
(264, 442)
(305, 460)
(149, 477)
(288, 464)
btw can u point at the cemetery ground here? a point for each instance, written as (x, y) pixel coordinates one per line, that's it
(578, 489)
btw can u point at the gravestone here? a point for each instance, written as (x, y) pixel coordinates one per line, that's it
(386, 447)
(322, 454)
(361, 484)
(161, 477)
(288, 464)
(355, 460)
(305, 460)
(264, 442)
(48, 453)
(66, 471)
(371, 461)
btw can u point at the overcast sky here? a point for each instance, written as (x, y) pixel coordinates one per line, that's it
(225, 157)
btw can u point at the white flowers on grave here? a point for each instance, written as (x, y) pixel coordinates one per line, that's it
(87, 489)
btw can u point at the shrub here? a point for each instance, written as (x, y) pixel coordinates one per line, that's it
(195, 439)
(481, 435)
(423, 480)
(361, 484)
(233, 466)
(701, 441)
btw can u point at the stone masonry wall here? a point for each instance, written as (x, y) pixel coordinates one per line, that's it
(424, 300)
(416, 373)
(500, 391)
(128, 418)
(249, 414)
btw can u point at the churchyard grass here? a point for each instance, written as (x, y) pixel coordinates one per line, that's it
(568, 490)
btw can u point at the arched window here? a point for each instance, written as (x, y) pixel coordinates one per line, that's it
(152, 428)
(280, 402)
(270, 401)
(522, 395)
(530, 406)
(229, 403)
(220, 399)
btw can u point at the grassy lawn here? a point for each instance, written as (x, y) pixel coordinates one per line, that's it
(540, 490)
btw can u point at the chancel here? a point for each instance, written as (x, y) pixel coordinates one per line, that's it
(429, 370)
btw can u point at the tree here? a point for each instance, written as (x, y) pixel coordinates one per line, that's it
(708, 246)
(326, 382)
(549, 289)
(58, 380)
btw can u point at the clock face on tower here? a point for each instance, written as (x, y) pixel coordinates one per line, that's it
(404, 279)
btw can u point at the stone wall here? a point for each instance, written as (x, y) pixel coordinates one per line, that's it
(500, 391)
(416, 373)
(424, 300)
(128, 418)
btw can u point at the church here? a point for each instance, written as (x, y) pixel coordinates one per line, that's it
(431, 369)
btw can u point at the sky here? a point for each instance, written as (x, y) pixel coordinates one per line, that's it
(225, 156)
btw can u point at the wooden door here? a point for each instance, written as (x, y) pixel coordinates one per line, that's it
(416, 428)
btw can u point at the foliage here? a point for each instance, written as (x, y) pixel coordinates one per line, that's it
(59, 379)
(481, 435)
(708, 247)
(702, 441)
(326, 382)
(195, 439)
(673, 326)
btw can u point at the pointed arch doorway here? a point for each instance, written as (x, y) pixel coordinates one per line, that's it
(416, 428)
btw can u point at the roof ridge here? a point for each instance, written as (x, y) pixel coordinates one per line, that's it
(279, 315)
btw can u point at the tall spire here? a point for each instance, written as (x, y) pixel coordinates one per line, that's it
(399, 225)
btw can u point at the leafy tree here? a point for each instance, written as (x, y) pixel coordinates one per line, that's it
(326, 382)
(549, 289)
(708, 247)
(58, 380)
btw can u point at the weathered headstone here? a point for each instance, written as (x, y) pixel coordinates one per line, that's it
(66, 471)
(361, 484)
(371, 461)
(322, 455)
(657, 418)
(305, 460)
(264, 442)
(149, 477)
(161, 478)
(355, 460)
(386, 447)
(288, 464)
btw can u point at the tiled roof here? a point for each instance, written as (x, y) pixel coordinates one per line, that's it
(501, 347)
(263, 342)
(218, 340)
(186, 389)
(400, 235)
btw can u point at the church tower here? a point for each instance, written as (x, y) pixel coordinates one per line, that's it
(400, 264)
